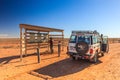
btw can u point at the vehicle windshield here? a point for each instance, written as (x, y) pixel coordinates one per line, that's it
(84, 38)
(73, 39)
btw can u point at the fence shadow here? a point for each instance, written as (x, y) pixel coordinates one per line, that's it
(6, 60)
(64, 67)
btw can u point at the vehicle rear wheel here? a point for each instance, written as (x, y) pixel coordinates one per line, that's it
(73, 58)
(102, 53)
(95, 58)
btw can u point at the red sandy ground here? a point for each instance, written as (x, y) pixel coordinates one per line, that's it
(52, 67)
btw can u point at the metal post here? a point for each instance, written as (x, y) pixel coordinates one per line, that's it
(38, 54)
(59, 48)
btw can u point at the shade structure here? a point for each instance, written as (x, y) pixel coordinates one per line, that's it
(37, 37)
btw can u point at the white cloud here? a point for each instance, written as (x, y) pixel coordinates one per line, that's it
(3, 35)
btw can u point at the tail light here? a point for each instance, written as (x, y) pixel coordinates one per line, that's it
(91, 51)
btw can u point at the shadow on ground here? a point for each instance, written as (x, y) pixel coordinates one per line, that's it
(64, 67)
(6, 60)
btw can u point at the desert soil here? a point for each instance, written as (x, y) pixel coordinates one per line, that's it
(53, 67)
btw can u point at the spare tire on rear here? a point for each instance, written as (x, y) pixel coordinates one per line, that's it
(82, 48)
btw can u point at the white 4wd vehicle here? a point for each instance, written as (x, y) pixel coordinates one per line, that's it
(87, 45)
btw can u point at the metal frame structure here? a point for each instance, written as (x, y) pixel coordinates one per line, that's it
(26, 29)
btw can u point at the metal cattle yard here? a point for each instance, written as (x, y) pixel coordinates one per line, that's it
(32, 37)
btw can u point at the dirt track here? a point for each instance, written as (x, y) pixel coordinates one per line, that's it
(59, 68)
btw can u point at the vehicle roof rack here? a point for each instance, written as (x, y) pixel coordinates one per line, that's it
(86, 32)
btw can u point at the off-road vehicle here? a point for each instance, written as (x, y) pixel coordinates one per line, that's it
(87, 45)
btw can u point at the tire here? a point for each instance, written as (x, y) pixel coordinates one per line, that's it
(82, 48)
(95, 58)
(73, 58)
(102, 53)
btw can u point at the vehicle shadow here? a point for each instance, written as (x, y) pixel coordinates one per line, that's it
(64, 67)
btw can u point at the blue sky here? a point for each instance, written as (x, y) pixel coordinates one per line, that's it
(100, 15)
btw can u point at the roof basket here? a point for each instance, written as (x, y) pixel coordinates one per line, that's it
(86, 32)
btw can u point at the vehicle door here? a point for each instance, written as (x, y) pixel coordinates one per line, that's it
(72, 43)
(105, 45)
